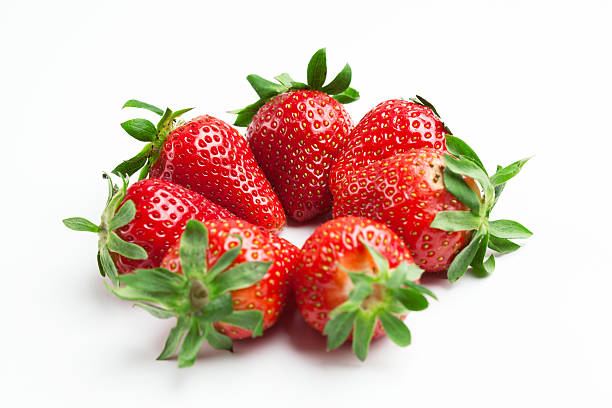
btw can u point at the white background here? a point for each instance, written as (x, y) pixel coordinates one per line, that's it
(514, 79)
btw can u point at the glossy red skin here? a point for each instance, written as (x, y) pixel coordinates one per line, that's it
(392, 127)
(210, 157)
(320, 286)
(162, 210)
(295, 137)
(270, 294)
(405, 192)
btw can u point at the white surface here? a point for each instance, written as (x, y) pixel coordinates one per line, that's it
(514, 78)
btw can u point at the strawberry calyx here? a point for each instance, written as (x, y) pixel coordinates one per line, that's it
(316, 74)
(495, 235)
(111, 219)
(145, 131)
(387, 294)
(197, 298)
(424, 102)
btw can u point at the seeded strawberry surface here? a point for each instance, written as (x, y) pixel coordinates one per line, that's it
(320, 285)
(392, 127)
(162, 210)
(210, 157)
(268, 295)
(295, 137)
(405, 192)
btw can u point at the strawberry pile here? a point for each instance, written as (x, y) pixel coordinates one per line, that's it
(195, 237)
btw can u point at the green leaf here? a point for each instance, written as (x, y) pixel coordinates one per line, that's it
(191, 346)
(348, 96)
(156, 311)
(489, 264)
(108, 266)
(217, 309)
(264, 88)
(192, 249)
(131, 166)
(395, 329)
(420, 288)
(411, 299)
(508, 229)
(165, 120)
(140, 129)
(456, 221)
(217, 340)
(240, 276)
(80, 224)
(362, 333)
(480, 254)
(179, 113)
(404, 271)
(285, 80)
(317, 70)
(225, 260)
(245, 115)
(133, 103)
(498, 189)
(459, 188)
(505, 174)
(124, 215)
(340, 83)
(247, 319)
(338, 329)
(502, 245)
(464, 258)
(382, 264)
(360, 292)
(124, 248)
(154, 285)
(467, 167)
(174, 338)
(357, 277)
(461, 149)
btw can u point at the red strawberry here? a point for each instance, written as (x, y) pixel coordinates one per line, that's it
(392, 127)
(356, 274)
(209, 157)
(224, 280)
(140, 223)
(295, 131)
(430, 200)
(405, 192)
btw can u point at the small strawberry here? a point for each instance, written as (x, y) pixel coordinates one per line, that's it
(392, 127)
(140, 223)
(356, 274)
(207, 156)
(295, 130)
(225, 279)
(430, 200)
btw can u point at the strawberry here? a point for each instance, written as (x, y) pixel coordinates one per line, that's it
(430, 200)
(140, 223)
(207, 156)
(295, 130)
(224, 280)
(392, 127)
(356, 274)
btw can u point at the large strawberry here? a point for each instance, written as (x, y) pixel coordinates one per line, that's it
(430, 199)
(140, 223)
(225, 280)
(295, 130)
(392, 127)
(356, 274)
(207, 156)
